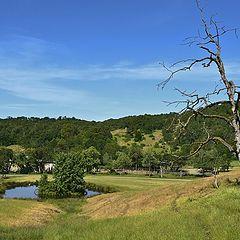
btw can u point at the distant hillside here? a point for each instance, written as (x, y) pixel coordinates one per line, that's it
(64, 134)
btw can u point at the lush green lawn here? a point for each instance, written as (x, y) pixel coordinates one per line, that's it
(214, 215)
(126, 183)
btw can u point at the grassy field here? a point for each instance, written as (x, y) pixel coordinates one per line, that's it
(126, 183)
(145, 208)
(22, 178)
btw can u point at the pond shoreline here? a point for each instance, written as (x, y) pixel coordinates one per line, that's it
(91, 189)
(9, 185)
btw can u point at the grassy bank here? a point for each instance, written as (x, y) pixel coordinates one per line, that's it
(173, 210)
(212, 217)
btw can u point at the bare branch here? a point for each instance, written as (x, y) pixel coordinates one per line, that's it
(204, 143)
(189, 67)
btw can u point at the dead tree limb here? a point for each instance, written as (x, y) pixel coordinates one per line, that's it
(209, 42)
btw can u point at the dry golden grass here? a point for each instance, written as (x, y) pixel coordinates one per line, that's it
(16, 148)
(27, 213)
(120, 134)
(132, 203)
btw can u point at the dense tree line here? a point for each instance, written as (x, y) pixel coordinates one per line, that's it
(69, 133)
(43, 138)
(146, 123)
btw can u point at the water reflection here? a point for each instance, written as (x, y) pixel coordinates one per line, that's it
(22, 192)
(32, 191)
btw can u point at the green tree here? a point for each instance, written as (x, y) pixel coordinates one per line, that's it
(136, 155)
(123, 161)
(112, 148)
(68, 175)
(38, 157)
(107, 161)
(90, 159)
(213, 158)
(149, 159)
(161, 162)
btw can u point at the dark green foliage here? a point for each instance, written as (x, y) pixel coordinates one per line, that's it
(150, 159)
(214, 157)
(25, 162)
(90, 159)
(123, 161)
(45, 188)
(99, 188)
(69, 134)
(6, 156)
(136, 154)
(146, 123)
(32, 160)
(54, 135)
(111, 148)
(138, 137)
(106, 159)
(68, 175)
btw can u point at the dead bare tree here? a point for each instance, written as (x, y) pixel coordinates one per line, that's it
(209, 42)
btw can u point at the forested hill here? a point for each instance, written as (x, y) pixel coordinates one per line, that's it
(63, 134)
(146, 123)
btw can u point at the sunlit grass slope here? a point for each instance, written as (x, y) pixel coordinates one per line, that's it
(215, 216)
(160, 210)
(25, 212)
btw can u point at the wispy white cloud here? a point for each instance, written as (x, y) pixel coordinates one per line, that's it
(41, 82)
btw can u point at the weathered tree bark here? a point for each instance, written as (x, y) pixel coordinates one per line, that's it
(231, 92)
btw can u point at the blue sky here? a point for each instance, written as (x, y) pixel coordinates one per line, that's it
(96, 59)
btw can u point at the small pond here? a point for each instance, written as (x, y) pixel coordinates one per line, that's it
(31, 192)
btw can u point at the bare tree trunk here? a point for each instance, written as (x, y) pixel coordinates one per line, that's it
(215, 182)
(231, 91)
(161, 172)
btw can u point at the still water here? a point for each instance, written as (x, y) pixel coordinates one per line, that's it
(31, 192)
